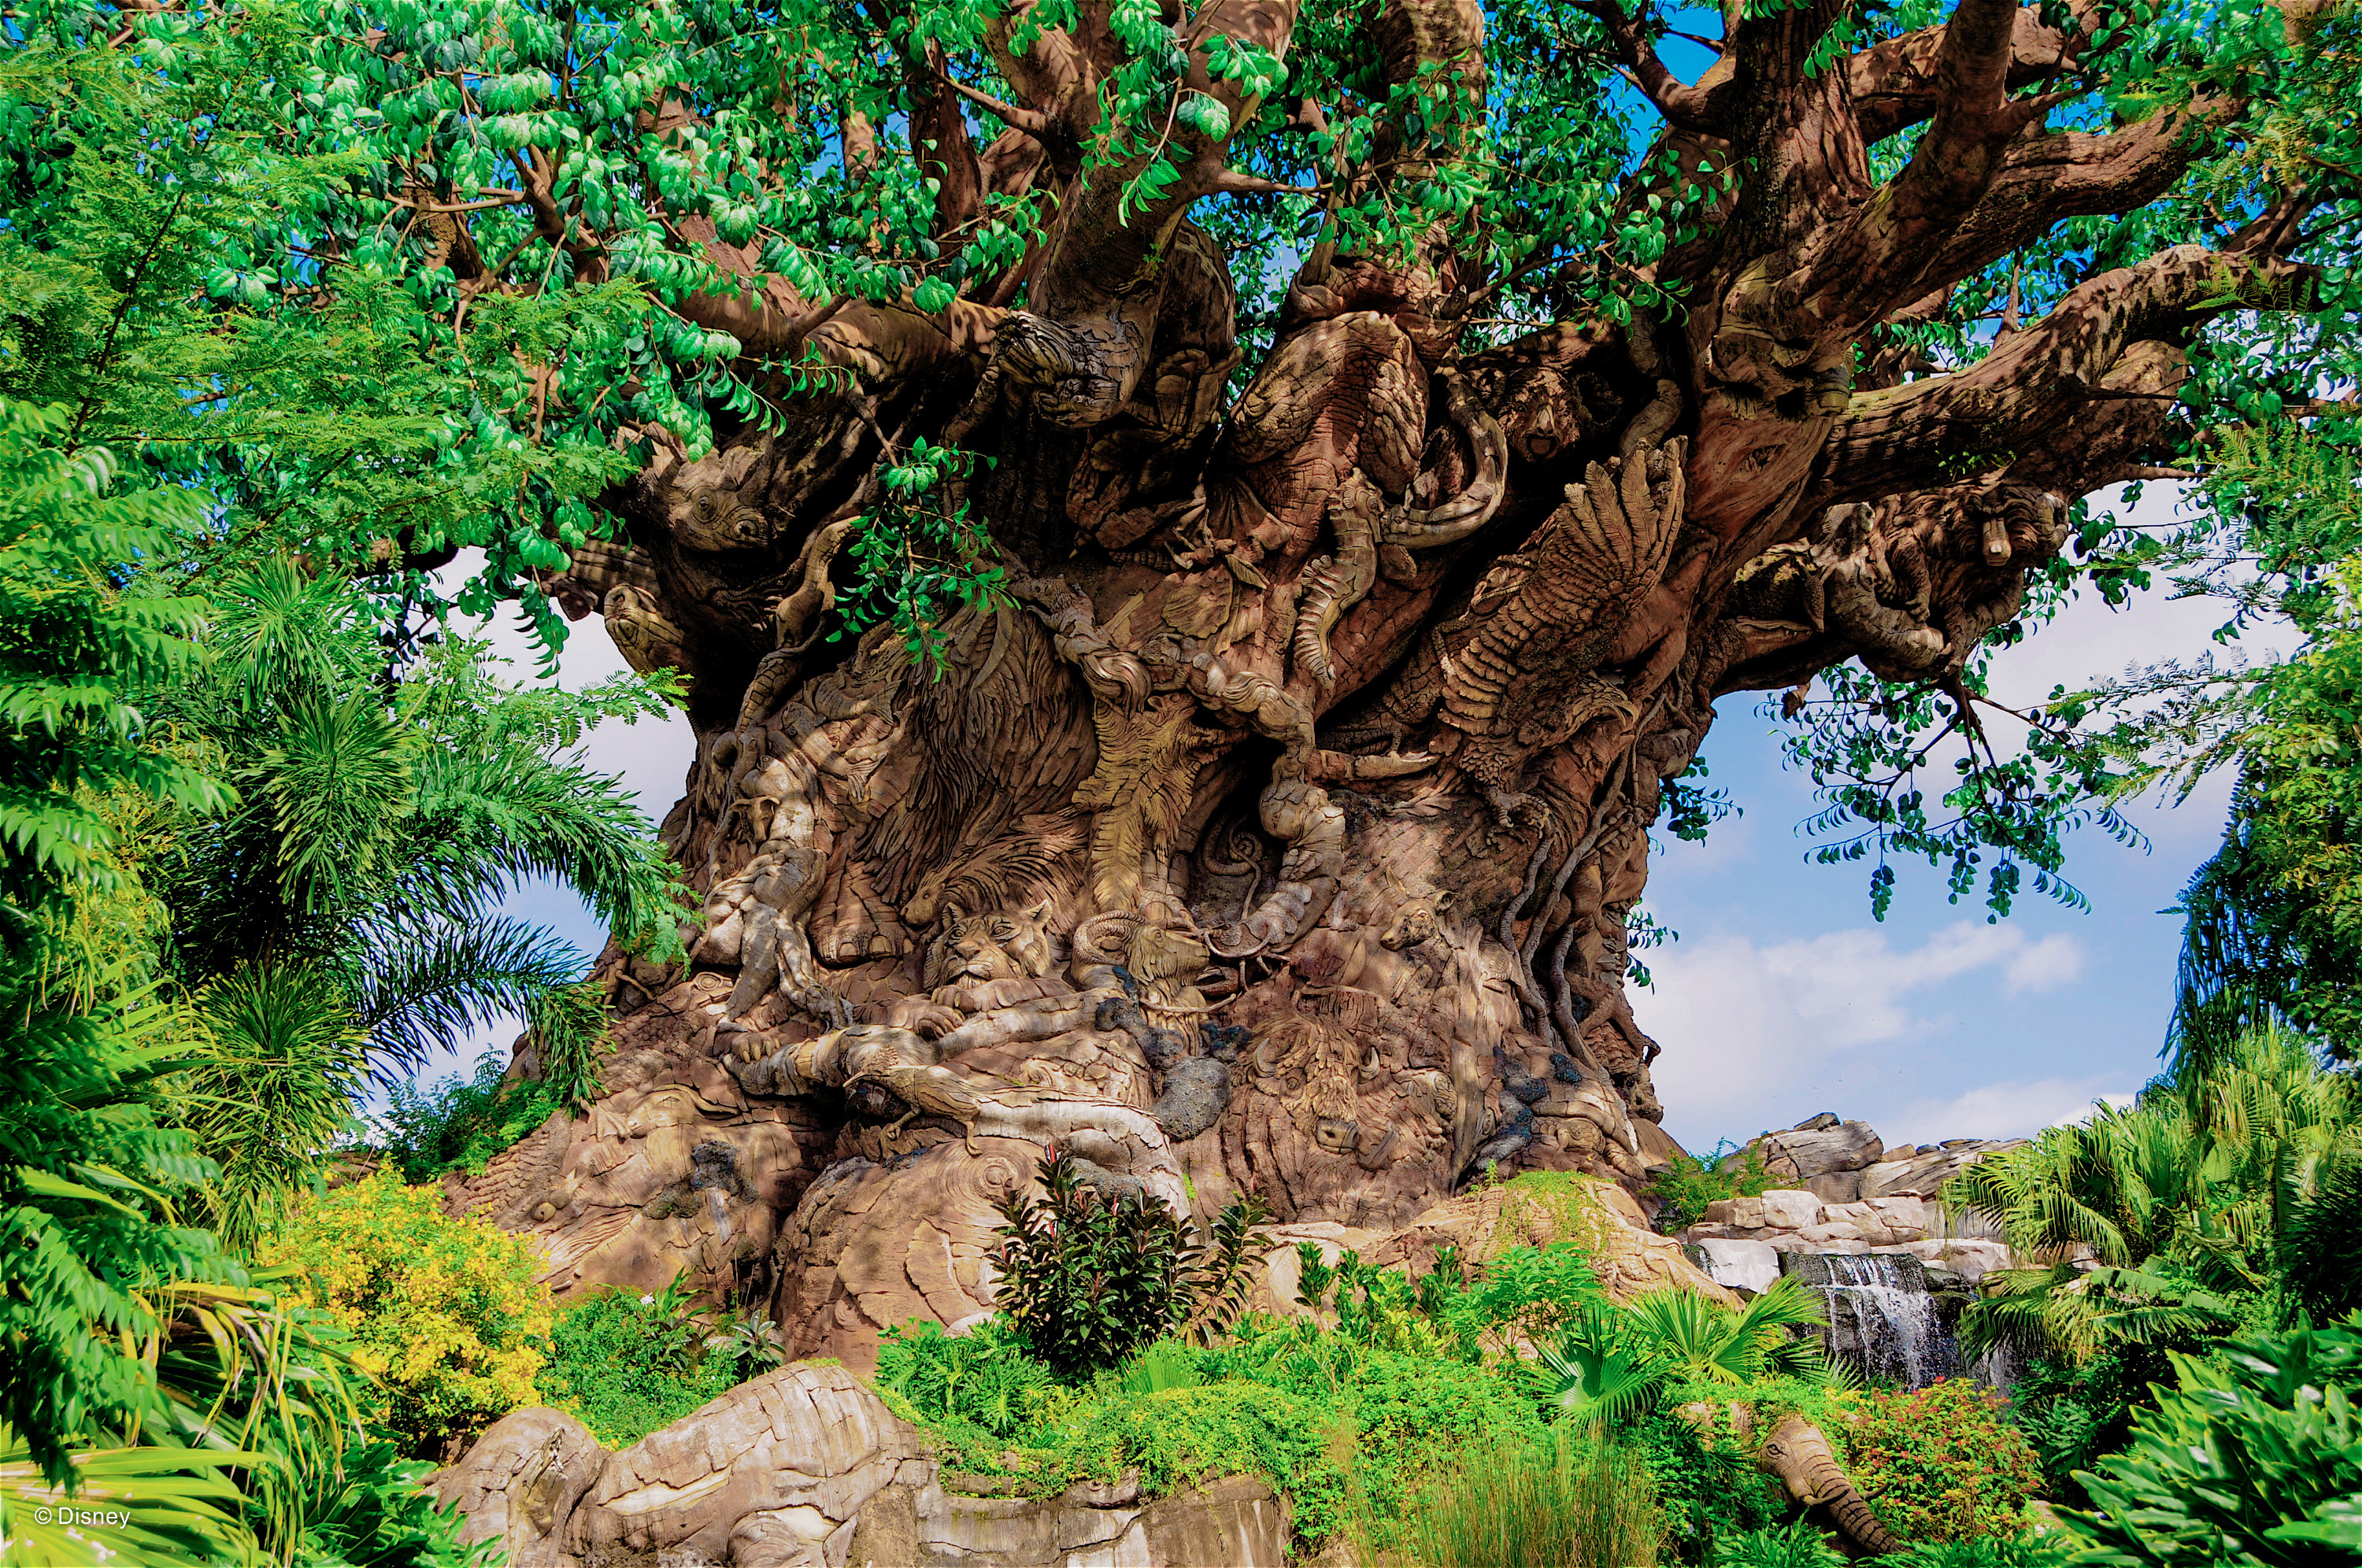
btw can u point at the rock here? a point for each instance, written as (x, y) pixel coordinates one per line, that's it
(1751, 1266)
(1829, 1235)
(1740, 1213)
(520, 1482)
(1791, 1208)
(1594, 1214)
(1817, 1123)
(805, 1468)
(1817, 1150)
(872, 1244)
(1971, 1260)
(1835, 1187)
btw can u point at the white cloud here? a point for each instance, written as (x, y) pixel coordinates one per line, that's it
(1749, 1029)
(2015, 1110)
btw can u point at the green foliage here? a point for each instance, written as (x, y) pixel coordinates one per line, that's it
(1709, 1490)
(447, 1313)
(2218, 1196)
(2238, 1463)
(1613, 1363)
(2055, 1549)
(458, 1124)
(628, 1365)
(1587, 1505)
(1942, 1463)
(380, 822)
(2076, 1412)
(919, 554)
(1085, 1282)
(1796, 1544)
(983, 1380)
(272, 1087)
(1685, 1183)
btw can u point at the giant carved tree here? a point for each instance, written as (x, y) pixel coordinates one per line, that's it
(1197, 537)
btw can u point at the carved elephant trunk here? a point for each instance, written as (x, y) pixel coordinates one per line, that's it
(1800, 1455)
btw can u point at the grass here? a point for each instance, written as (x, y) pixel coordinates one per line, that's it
(1579, 1503)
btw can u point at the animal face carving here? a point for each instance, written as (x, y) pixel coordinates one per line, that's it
(1419, 921)
(1161, 954)
(1003, 945)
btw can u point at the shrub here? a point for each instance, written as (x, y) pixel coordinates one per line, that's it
(1941, 1463)
(626, 1364)
(2054, 1551)
(1796, 1544)
(460, 1123)
(2243, 1462)
(445, 1313)
(1709, 1490)
(2076, 1415)
(982, 1379)
(1085, 1282)
(1574, 1504)
(1685, 1184)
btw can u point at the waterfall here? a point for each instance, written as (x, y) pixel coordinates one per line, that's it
(1883, 1318)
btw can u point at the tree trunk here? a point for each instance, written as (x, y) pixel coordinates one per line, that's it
(1278, 823)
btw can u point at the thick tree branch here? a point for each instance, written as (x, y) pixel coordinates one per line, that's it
(2114, 339)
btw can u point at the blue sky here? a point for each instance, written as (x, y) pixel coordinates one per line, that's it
(1782, 996)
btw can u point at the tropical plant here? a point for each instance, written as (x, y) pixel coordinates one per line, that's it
(627, 1363)
(1086, 1280)
(1612, 1361)
(459, 1123)
(1577, 1503)
(1685, 1183)
(2251, 1459)
(986, 1378)
(2229, 1188)
(382, 821)
(278, 1069)
(447, 1313)
(1796, 1544)
(2054, 1549)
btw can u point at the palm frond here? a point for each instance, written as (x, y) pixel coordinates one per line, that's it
(280, 1065)
(425, 984)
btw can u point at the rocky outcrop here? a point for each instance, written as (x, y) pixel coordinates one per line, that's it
(805, 1468)
(1852, 1195)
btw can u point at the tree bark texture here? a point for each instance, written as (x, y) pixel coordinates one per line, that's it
(1280, 825)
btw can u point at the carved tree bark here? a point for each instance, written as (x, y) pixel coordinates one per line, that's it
(1281, 826)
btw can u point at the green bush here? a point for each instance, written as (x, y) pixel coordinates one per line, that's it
(1941, 1463)
(981, 1380)
(1709, 1491)
(2241, 1463)
(1576, 1504)
(2054, 1551)
(459, 1123)
(447, 1312)
(2076, 1415)
(1685, 1183)
(1796, 1544)
(626, 1364)
(1085, 1282)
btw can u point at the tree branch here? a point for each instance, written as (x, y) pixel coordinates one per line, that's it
(2117, 338)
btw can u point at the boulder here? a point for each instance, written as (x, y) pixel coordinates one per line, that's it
(1816, 1149)
(1971, 1260)
(1791, 1208)
(1750, 1266)
(1835, 1187)
(805, 1468)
